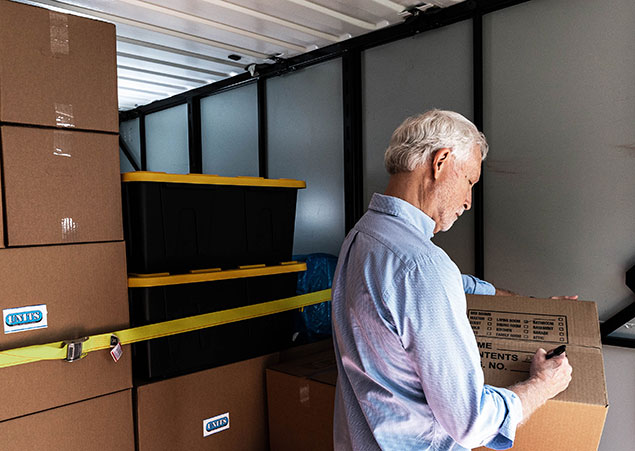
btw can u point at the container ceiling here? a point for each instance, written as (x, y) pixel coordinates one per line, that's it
(165, 47)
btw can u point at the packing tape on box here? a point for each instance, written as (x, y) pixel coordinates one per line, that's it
(64, 115)
(62, 350)
(62, 144)
(60, 47)
(59, 33)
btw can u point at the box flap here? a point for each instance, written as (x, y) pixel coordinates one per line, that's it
(506, 362)
(308, 366)
(328, 377)
(548, 321)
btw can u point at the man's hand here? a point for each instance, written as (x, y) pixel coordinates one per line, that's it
(570, 298)
(554, 372)
(547, 378)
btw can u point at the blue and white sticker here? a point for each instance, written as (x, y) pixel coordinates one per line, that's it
(216, 424)
(24, 318)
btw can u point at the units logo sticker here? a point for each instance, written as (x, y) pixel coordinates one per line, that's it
(24, 318)
(216, 424)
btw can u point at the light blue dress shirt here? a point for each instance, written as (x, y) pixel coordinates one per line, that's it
(474, 285)
(410, 375)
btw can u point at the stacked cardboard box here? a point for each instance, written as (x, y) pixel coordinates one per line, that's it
(508, 330)
(62, 264)
(223, 408)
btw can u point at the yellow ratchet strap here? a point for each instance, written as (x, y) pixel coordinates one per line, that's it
(67, 350)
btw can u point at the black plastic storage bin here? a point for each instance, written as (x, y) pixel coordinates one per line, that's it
(177, 223)
(158, 298)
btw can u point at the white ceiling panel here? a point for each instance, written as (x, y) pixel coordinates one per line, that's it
(128, 47)
(144, 63)
(185, 42)
(165, 47)
(159, 78)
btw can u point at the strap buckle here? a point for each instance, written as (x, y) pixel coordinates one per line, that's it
(74, 349)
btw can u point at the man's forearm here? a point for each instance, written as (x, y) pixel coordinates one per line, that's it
(532, 393)
(548, 376)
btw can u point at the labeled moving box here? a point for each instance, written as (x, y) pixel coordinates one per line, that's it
(508, 331)
(100, 424)
(59, 186)
(223, 408)
(56, 293)
(57, 70)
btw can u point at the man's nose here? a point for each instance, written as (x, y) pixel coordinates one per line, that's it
(468, 201)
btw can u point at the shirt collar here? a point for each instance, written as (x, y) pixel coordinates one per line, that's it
(398, 207)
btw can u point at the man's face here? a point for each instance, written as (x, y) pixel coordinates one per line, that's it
(455, 191)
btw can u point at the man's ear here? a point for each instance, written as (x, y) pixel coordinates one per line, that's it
(439, 161)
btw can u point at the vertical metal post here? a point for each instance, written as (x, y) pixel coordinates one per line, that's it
(479, 231)
(353, 145)
(142, 142)
(128, 154)
(194, 134)
(263, 168)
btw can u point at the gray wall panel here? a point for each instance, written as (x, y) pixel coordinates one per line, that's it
(305, 141)
(166, 141)
(229, 123)
(560, 185)
(407, 77)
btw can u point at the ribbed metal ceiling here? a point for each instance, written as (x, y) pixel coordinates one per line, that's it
(165, 47)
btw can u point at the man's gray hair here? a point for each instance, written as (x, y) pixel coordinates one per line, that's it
(416, 140)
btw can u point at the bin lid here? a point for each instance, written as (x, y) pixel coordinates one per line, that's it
(210, 275)
(207, 179)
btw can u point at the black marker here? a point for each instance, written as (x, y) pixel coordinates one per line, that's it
(559, 350)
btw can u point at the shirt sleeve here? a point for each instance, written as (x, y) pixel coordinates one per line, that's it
(436, 334)
(474, 285)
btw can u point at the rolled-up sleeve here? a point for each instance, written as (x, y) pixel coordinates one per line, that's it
(436, 334)
(474, 285)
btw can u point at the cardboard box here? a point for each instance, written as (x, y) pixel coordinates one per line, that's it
(99, 424)
(78, 290)
(300, 399)
(56, 69)
(508, 330)
(221, 408)
(60, 186)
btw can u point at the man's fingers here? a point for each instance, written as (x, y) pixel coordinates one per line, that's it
(569, 298)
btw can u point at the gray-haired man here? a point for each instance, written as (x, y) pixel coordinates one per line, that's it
(409, 367)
